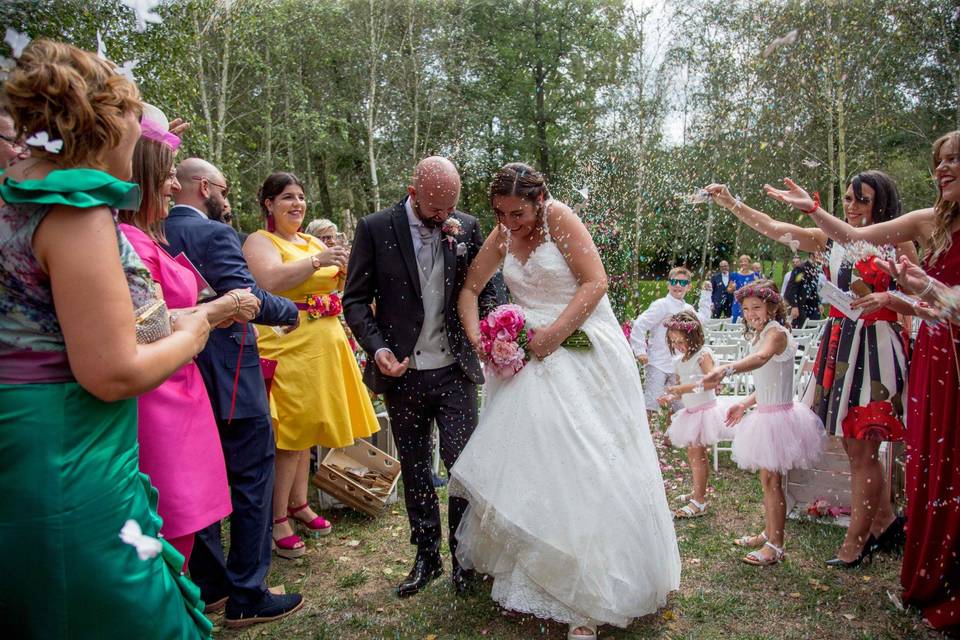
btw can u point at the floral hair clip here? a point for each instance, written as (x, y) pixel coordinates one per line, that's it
(686, 326)
(752, 291)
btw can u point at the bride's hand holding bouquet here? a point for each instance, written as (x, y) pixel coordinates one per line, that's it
(505, 341)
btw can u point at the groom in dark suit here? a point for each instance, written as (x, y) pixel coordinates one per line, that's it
(410, 262)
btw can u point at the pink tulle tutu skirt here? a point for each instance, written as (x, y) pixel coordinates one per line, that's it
(698, 426)
(778, 438)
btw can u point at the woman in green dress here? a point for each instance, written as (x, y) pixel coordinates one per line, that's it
(78, 524)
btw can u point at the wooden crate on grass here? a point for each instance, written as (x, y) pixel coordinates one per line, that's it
(828, 479)
(337, 476)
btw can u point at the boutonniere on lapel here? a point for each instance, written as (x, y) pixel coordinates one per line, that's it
(451, 229)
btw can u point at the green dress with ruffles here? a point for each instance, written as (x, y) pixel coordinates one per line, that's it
(69, 472)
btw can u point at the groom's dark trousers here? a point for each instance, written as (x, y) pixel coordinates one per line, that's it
(383, 274)
(420, 397)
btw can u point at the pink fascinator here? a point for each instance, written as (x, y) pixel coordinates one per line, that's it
(155, 126)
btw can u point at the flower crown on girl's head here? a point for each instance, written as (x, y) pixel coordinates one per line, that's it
(685, 326)
(757, 291)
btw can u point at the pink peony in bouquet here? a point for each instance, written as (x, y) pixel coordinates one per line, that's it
(504, 338)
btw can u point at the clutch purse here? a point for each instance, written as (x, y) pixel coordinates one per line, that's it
(152, 322)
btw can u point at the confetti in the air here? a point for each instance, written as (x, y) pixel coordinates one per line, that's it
(144, 12)
(790, 241)
(126, 69)
(101, 46)
(697, 197)
(782, 41)
(17, 41)
(809, 162)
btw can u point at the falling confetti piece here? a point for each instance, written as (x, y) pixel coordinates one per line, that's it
(143, 10)
(782, 41)
(126, 69)
(101, 46)
(813, 164)
(788, 240)
(17, 41)
(352, 543)
(849, 616)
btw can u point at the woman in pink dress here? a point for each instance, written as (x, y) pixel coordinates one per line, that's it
(179, 444)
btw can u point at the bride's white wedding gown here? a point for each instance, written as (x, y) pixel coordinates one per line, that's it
(567, 507)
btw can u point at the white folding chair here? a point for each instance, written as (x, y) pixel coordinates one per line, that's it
(727, 353)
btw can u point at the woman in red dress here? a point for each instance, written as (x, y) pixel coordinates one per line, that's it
(931, 566)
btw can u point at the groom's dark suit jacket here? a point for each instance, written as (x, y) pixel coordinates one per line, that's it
(383, 271)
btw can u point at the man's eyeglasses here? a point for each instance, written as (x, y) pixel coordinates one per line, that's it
(224, 188)
(676, 282)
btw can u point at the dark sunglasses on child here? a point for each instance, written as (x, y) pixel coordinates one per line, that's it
(676, 282)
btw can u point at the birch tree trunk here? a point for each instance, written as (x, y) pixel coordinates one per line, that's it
(224, 85)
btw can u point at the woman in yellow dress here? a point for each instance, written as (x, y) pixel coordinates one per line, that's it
(317, 395)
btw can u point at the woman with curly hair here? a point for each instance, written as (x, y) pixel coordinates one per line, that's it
(78, 521)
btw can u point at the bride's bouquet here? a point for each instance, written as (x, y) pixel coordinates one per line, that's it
(504, 339)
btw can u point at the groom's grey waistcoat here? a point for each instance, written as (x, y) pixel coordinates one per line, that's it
(384, 300)
(432, 350)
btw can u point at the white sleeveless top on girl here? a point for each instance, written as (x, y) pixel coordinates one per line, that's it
(700, 422)
(780, 434)
(774, 380)
(689, 371)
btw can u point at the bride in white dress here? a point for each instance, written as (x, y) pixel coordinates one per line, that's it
(567, 507)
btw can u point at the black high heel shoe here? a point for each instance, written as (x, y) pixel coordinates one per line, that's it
(866, 555)
(893, 537)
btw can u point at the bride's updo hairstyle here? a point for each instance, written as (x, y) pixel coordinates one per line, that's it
(73, 96)
(520, 180)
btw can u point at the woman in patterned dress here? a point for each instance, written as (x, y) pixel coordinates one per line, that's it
(860, 372)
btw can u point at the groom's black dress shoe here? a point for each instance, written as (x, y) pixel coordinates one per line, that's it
(426, 567)
(463, 579)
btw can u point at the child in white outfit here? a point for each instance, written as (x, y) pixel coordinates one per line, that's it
(780, 434)
(657, 361)
(700, 422)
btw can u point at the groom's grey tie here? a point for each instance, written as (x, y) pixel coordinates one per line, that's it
(427, 249)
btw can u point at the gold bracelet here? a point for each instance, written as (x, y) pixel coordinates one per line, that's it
(236, 299)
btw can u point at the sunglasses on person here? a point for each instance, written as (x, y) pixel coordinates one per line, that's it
(677, 282)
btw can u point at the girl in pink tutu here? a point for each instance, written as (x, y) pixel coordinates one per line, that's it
(698, 425)
(780, 434)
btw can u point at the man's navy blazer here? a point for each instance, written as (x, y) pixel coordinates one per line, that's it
(214, 248)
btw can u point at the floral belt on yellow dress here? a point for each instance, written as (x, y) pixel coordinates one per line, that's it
(321, 306)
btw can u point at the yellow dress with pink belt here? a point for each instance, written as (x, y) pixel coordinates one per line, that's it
(317, 396)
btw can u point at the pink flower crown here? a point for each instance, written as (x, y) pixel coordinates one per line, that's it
(686, 326)
(753, 291)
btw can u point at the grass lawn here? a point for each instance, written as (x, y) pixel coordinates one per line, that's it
(348, 579)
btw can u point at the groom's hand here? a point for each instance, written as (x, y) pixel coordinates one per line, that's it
(388, 364)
